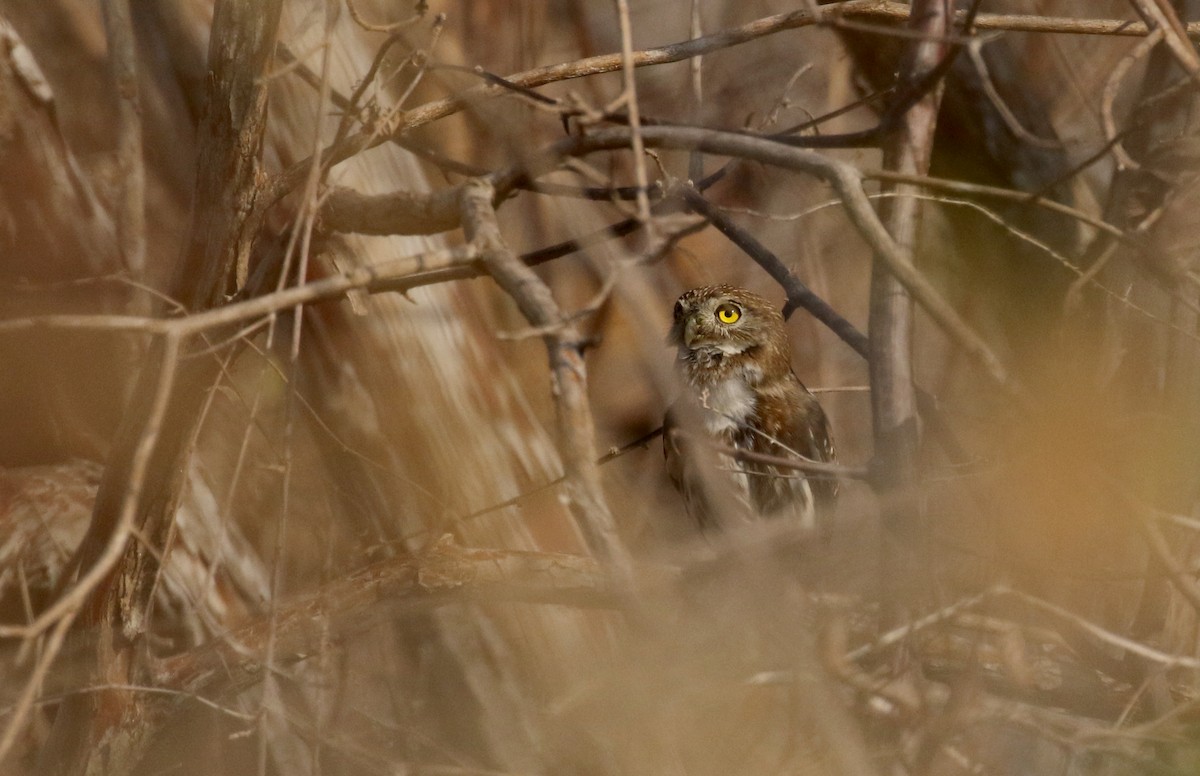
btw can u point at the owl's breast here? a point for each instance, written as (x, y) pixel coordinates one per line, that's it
(731, 406)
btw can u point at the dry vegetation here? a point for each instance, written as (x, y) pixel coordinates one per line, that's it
(317, 317)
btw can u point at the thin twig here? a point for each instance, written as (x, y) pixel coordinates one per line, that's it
(391, 27)
(905, 631)
(975, 51)
(797, 464)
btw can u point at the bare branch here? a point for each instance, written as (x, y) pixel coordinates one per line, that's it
(867, 10)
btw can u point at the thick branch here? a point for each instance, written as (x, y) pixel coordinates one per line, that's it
(400, 212)
(230, 139)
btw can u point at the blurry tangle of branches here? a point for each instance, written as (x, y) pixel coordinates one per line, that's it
(445, 572)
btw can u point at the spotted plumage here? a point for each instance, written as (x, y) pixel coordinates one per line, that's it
(740, 392)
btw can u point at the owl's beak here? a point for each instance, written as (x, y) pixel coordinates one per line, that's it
(682, 334)
(690, 335)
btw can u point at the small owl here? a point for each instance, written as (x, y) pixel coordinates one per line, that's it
(740, 392)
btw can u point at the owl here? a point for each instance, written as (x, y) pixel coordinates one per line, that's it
(740, 392)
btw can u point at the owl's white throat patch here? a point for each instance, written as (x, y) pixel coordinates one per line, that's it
(730, 404)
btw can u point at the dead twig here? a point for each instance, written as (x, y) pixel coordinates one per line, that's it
(1165, 659)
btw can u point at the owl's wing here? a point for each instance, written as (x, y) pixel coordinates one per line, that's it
(813, 439)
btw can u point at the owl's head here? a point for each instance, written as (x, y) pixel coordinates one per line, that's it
(724, 321)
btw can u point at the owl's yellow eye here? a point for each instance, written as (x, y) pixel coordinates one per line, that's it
(728, 313)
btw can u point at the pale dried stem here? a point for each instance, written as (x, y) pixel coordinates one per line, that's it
(1165, 659)
(696, 71)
